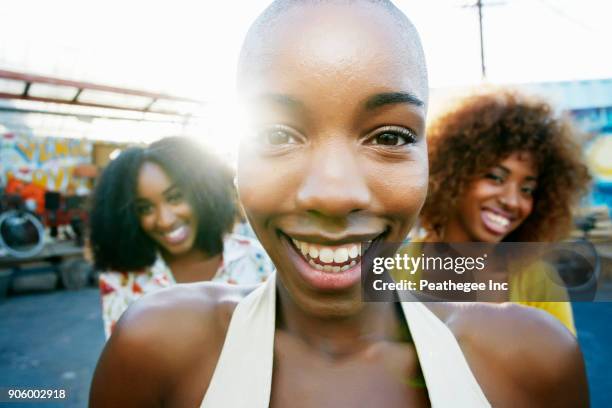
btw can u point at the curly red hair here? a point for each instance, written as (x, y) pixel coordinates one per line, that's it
(482, 130)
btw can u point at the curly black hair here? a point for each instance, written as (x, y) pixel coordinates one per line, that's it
(117, 240)
(483, 129)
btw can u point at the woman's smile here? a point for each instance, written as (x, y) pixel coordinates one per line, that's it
(325, 264)
(176, 235)
(497, 221)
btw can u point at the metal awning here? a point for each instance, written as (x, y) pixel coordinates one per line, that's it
(43, 89)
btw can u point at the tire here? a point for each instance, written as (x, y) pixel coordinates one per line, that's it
(75, 273)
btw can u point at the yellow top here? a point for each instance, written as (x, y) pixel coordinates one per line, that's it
(537, 282)
(533, 281)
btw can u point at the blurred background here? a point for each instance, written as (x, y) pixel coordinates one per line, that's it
(81, 80)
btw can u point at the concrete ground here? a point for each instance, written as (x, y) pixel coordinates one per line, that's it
(53, 339)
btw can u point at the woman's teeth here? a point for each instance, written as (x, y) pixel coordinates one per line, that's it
(177, 234)
(329, 258)
(497, 219)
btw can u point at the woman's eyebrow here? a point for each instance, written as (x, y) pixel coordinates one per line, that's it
(170, 189)
(507, 171)
(502, 168)
(373, 102)
(279, 99)
(388, 98)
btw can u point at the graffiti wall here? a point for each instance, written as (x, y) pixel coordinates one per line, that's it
(599, 155)
(47, 162)
(598, 122)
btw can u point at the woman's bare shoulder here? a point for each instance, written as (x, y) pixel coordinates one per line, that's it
(173, 334)
(193, 308)
(519, 353)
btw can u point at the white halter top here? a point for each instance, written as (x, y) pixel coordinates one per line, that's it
(243, 375)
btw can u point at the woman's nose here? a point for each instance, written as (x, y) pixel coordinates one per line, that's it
(165, 217)
(333, 184)
(510, 196)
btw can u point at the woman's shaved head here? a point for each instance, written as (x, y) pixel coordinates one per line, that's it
(318, 23)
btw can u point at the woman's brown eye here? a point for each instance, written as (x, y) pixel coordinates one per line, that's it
(393, 136)
(277, 137)
(144, 209)
(390, 139)
(497, 179)
(175, 198)
(528, 190)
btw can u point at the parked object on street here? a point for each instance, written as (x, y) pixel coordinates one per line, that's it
(61, 261)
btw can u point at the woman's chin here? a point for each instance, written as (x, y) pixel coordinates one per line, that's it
(177, 250)
(489, 237)
(320, 304)
(326, 308)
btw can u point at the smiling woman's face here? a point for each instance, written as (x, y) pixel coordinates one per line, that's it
(337, 152)
(497, 203)
(164, 211)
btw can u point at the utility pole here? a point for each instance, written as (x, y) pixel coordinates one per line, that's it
(482, 58)
(480, 5)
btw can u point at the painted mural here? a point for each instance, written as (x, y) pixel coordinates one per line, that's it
(598, 122)
(599, 156)
(47, 162)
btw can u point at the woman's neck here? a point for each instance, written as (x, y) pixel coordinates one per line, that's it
(339, 337)
(452, 233)
(192, 266)
(496, 269)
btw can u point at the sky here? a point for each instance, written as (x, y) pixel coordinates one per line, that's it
(190, 48)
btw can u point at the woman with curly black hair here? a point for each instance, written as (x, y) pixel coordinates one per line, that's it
(503, 168)
(162, 215)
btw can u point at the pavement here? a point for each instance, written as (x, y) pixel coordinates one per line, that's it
(53, 340)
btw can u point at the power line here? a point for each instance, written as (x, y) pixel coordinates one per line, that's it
(566, 16)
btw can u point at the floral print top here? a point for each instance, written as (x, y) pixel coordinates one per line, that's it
(244, 262)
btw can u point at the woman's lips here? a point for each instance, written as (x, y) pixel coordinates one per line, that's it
(176, 236)
(494, 222)
(329, 258)
(326, 267)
